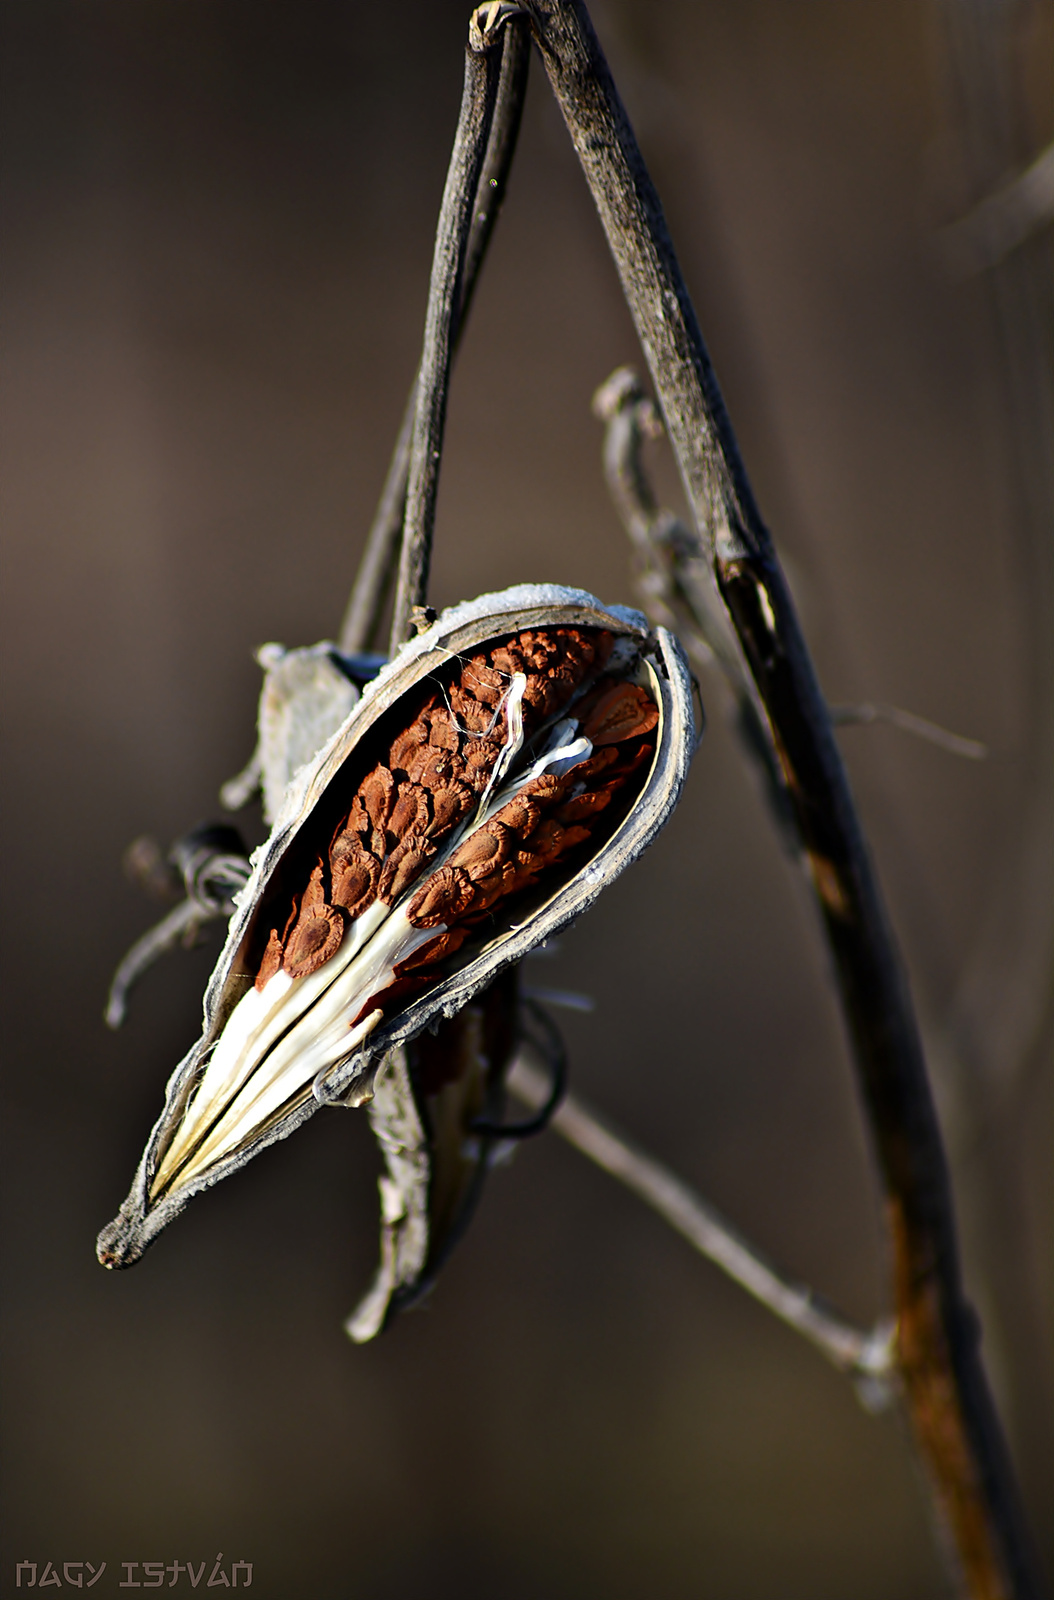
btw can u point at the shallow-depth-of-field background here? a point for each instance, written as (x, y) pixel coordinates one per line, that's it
(218, 235)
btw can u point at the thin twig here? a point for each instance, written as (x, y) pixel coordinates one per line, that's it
(1003, 220)
(676, 591)
(867, 1354)
(212, 865)
(482, 70)
(869, 711)
(946, 1392)
(676, 585)
(181, 925)
(376, 568)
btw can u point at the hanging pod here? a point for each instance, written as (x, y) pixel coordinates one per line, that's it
(508, 763)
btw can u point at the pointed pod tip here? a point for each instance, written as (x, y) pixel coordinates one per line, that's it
(119, 1244)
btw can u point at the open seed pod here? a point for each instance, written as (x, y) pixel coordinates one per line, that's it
(506, 765)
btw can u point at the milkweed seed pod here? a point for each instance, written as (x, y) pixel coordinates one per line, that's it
(506, 765)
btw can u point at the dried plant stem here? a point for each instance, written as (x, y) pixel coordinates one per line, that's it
(363, 615)
(377, 564)
(946, 1392)
(866, 1354)
(483, 59)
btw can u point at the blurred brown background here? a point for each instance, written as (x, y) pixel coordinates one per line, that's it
(218, 235)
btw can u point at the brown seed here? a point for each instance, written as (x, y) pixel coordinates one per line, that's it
(493, 887)
(521, 814)
(442, 732)
(355, 876)
(377, 791)
(359, 833)
(584, 806)
(624, 712)
(537, 650)
(316, 934)
(406, 862)
(347, 841)
(551, 839)
(527, 868)
(547, 789)
(506, 659)
(314, 940)
(566, 668)
(444, 898)
(449, 806)
(411, 813)
(596, 763)
(480, 758)
(275, 940)
(579, 647)
(472, 715)
(485, 850)
(406, 743)
(559, 685)
(481, 753)
(630, 760)
(482, 681)
(358, 818)
(272, 960)
(435, 769)
(437, 949)
(543, 695)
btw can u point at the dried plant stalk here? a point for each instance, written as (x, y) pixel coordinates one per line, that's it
(363, 615)
(446, 302)
(954, 1421)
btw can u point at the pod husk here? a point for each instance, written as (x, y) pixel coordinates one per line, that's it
(436, 1159)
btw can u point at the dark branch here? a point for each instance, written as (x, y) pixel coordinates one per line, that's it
(954, 1419)
(362, 619)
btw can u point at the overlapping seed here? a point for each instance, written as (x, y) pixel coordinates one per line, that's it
(407, 808)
